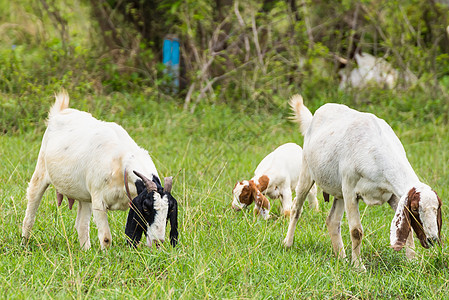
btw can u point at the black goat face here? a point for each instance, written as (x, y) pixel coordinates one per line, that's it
(150, 211)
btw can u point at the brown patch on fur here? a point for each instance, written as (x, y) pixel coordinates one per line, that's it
(117, 178)
(263, 183)
(357, 233)
(403, 231)
(413, 199)
(415, 221)
(248, 194)
(326, 196)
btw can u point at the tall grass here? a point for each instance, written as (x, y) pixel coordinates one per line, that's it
(221, 253)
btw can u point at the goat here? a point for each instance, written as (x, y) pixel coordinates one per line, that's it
(275, 176)
(374, 71)
(87, 159)
(353, 155)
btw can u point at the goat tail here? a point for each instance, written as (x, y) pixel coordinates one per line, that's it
(61, 103)
(301, 114)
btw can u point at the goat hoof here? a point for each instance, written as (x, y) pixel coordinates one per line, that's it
(287, 243)
(106, 243)
(359, 267)
(410, 254)
(24, 241)
(86, 246)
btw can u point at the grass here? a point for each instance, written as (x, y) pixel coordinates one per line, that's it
(221, 253)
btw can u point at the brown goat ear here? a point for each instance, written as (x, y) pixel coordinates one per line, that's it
(253, 189)
(414, 199)
(247, 196)
(263, 183)
(400, 225)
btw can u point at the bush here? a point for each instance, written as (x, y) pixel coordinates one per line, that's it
(252, 56)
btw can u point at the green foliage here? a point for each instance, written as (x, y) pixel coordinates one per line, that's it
(246, 53)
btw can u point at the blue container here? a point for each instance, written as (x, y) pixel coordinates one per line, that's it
(171, 58)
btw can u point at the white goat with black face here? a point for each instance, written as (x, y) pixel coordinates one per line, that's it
(353, 155)
(87, 159)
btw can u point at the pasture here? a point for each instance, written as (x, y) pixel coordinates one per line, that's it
(221, 253)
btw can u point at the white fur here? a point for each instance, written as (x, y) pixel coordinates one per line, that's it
(236, 193)
(373, 70)
(282, 167)
(156, 231)
(85, 159)
(353, 155)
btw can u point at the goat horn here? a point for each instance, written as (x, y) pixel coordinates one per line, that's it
(126, 186)
(150, 185)
(168, 182)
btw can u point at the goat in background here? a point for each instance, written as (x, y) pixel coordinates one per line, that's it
(275, 176)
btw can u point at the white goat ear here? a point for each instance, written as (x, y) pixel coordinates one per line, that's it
(400, 226)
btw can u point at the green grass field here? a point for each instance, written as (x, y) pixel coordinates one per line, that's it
(221, 253)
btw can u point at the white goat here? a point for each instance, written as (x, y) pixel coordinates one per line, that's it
(353, 155)
(375, 71)
(275, 176)
(87, 159)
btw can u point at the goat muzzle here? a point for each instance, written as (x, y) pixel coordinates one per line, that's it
(158, 243)
(433, 241)
(235, 207)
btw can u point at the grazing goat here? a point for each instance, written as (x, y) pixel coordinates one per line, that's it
(353, 155)
(275, 176)
(87, 160)
(375, 71)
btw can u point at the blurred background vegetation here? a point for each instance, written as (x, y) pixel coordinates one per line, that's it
(249, 55)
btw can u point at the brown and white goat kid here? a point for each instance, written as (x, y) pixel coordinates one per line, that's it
(87, 159)
(275, 176)
(353, 155)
